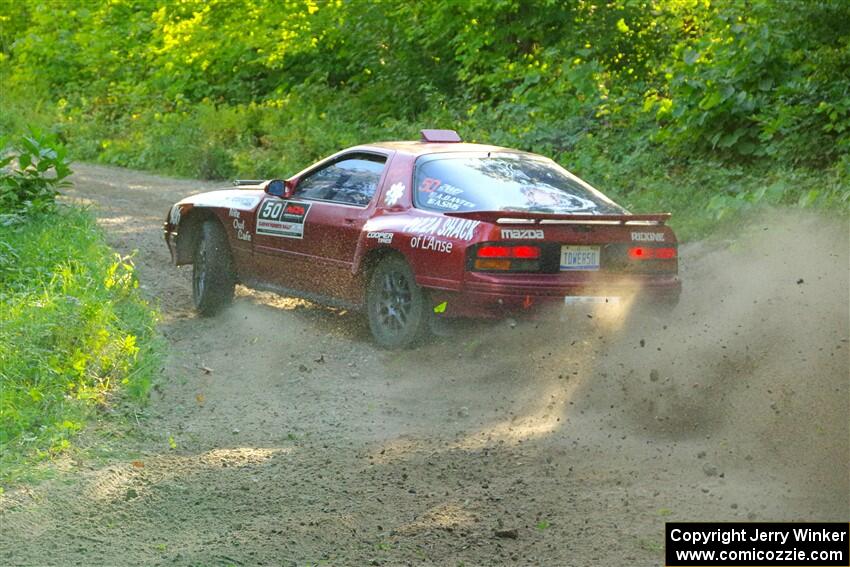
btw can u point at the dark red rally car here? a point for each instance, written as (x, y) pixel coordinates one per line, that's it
(414, 231)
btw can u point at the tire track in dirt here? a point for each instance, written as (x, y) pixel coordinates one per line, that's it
(301, 443)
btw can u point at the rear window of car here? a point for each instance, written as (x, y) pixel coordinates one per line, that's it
(504, 182)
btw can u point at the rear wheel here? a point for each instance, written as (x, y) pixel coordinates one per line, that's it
(212, 270)
(397, 307)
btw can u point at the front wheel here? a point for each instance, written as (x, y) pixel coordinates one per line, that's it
(212, 270)
(397, 307)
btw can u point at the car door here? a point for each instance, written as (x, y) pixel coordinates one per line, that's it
(309, 241)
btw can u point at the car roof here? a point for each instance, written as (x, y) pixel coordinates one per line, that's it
(422, 148)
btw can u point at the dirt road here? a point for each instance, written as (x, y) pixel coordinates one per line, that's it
(299, 443)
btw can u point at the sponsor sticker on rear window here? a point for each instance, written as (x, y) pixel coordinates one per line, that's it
(504, 182)
(444, 196)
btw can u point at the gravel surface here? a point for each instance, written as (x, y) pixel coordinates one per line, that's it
(567, 442)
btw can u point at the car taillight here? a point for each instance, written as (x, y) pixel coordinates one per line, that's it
(507, 258)
(494, 252)
(666, 253)
(651, 253)
(526, 252)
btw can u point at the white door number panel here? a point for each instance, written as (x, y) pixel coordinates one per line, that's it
(282, 218)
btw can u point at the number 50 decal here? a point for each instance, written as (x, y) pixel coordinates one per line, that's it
(285, 220)
(271, 210)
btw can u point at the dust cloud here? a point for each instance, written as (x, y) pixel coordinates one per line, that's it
(750, 373)
(755, 357)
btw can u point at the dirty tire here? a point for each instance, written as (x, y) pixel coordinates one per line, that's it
(397, 307)
(212, 270)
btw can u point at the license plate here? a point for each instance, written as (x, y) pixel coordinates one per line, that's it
(591, 299)
(579, 258)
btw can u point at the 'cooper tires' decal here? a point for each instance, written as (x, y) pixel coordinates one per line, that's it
(282, 218)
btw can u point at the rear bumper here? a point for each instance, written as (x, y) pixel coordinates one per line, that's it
(487, 295)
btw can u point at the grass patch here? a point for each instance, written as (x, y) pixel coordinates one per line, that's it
(76, 338)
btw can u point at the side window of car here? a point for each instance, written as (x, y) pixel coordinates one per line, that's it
(352, 181)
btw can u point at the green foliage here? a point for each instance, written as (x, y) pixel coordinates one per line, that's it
(652, 100)
(31, 174)
(769, 81)
(73, 333)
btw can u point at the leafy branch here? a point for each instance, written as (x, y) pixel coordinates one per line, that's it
(32, 172)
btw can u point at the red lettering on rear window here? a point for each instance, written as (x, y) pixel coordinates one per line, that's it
(429, 184)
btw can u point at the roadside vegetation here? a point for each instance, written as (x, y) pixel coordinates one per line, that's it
(76, 339)
(709, 109)
(706, 108)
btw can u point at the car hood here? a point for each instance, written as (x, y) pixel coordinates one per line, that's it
(239, 199)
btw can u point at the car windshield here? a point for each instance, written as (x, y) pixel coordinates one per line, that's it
(505, 182)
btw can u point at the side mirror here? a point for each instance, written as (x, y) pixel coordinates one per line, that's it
(275, 188)
(281, 189)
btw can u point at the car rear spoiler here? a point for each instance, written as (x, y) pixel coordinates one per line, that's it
(523, 217)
